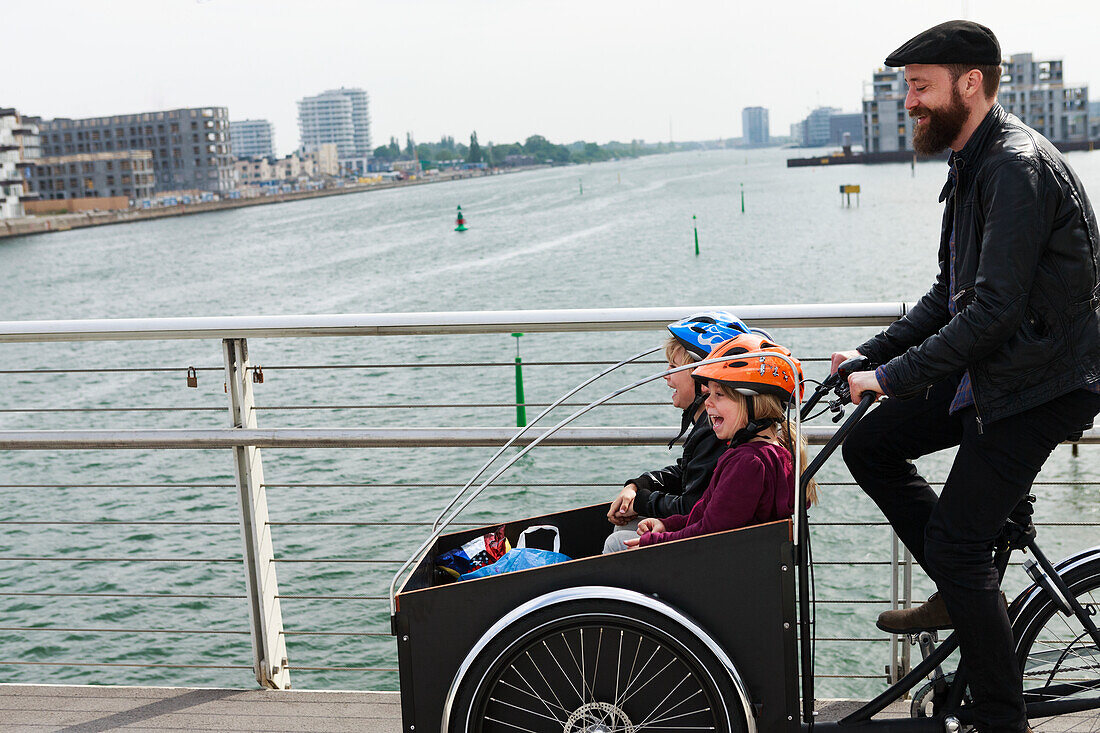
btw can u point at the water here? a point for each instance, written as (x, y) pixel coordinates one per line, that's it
(535, 242)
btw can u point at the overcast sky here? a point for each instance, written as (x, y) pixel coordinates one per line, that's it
(566, 69)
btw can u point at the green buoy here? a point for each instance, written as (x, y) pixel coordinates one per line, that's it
(460, 221)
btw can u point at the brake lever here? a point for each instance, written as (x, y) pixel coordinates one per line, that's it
(846, 369)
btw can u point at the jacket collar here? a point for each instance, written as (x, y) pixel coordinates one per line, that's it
(965, 159)
(977, 142)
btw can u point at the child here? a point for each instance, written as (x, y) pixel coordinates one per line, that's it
(754, 479)
(675, 489)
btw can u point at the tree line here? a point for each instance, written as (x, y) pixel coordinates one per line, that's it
(536, 149)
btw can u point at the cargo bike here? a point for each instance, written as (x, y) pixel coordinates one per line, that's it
(711, 633)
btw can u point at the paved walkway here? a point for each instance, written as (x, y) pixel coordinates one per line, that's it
(92, 709)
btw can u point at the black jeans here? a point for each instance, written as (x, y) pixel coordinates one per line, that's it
(952, 536)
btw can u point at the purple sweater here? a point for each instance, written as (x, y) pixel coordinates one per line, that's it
(752, 484)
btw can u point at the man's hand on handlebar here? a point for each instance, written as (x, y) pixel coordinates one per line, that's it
(861, 382)
(840, 357)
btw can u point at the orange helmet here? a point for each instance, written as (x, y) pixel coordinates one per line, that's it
(758, 375)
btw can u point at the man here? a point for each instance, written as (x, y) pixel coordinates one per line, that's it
(1000, 358)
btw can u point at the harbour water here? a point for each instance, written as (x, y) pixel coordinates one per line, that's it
(535, 241)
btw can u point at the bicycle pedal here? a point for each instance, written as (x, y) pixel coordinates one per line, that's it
(923, 638)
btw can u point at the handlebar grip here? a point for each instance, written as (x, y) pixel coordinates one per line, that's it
(853, 365)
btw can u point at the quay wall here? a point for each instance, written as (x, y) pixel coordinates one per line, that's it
(64, 222)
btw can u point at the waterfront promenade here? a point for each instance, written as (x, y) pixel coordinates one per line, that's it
(88, 709)
(78, 220)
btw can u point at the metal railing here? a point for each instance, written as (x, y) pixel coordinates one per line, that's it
(244, 439)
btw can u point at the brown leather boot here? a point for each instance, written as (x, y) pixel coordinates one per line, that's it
(928, 616)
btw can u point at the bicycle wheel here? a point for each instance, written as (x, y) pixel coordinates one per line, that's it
(1058, 658)
(597, 665)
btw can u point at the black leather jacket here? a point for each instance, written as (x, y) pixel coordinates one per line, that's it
(675, 489)
(1026, 283)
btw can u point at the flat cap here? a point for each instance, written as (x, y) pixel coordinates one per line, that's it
(953, 42)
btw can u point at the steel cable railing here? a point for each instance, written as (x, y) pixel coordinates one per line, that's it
(282, 524)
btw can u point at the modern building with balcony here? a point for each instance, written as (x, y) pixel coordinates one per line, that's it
(121, 173)
(19, 147)
(340, 117)
(754, 127)
(1035, 92)
(251, 139)
(887, 126)
(190, 147)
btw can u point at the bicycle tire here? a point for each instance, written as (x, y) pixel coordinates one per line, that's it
(1058, 660)
(596, 664)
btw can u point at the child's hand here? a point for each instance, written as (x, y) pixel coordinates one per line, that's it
(622, 508)
(632, 542)
(650, 524)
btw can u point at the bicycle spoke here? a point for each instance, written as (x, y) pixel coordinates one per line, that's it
(596, 663)
(523, 709)
(618, 667)
(653, 723)
(548, 685)
(534, 693)
(510, 725)
(563, 674)
(655, 676)
(631, 682)
(658, 706)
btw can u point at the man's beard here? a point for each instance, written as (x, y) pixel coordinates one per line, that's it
(941, 126)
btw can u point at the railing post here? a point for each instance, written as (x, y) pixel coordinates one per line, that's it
(265, 618)
(907, 601)
(900, 561)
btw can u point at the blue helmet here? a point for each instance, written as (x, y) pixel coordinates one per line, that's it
(701, 332)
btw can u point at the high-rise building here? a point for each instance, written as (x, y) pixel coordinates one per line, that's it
(251, 138)
(338, 116)
(18, 148)
(1032, 90)
(815, 129)
(754, 126)
(190, 147)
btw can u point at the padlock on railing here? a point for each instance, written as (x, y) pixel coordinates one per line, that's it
(192, 377)
(257, 375)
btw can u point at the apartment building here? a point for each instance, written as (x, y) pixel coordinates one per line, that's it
(1035, 92)
(251, 139)
(190, 147)
(125, 173)
(340, 117)
(754, 126)
(19, 147)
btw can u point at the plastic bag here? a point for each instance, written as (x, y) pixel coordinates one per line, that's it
(518, 559)
(476, 553)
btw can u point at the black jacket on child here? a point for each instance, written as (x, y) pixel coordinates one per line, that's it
(675, 489)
